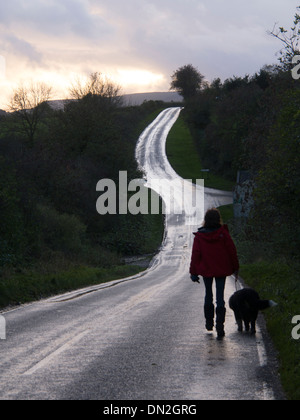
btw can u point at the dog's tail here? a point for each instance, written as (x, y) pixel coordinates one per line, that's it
(265, 304)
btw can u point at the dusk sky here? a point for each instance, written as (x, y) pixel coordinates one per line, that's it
(138, 43)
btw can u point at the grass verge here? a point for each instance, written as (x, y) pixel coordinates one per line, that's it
(184, 158)
(24, 288)
(280, 282)
(227, 213)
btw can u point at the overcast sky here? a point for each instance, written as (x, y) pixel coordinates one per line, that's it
(139, 43)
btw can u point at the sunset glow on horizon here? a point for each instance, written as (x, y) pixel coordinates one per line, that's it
(138, 44)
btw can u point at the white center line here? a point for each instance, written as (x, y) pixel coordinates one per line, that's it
(44, 362)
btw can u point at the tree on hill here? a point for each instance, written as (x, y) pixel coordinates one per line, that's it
(188, 81)
(96, 85)
(29, 105)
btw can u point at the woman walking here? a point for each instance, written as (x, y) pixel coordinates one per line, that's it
(214, 256)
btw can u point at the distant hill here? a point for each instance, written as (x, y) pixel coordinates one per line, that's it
(58, 104)
(134, 99)
(139, 98)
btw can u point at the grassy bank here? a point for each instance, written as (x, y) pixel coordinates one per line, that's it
(59, 275)
(184, 158)
(280, 282)
(31, 286)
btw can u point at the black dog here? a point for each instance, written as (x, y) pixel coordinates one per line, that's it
(246, 303)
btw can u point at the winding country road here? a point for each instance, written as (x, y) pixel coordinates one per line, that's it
(141, 338)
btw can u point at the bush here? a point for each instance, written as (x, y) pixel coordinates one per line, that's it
(62, 232)
(11, 226)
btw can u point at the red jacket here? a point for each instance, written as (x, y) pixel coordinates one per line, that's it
(214, 253)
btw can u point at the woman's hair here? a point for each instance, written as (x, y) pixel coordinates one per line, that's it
(212, 219)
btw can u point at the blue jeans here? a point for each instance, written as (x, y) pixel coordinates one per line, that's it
(220, 287)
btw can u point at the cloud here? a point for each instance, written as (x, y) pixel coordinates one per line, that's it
(149, 38)
(21, 48)
(53, 18)
(164, 34)
(42, 36)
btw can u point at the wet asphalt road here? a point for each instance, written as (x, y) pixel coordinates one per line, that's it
(141, 338)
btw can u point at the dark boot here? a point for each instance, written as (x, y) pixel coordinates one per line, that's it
(209, 312)
(221, 313)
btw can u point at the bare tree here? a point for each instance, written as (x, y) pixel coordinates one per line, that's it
(290, 39)
(96, 85)
(29, 105)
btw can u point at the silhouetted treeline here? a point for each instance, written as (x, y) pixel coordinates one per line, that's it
(253, 123)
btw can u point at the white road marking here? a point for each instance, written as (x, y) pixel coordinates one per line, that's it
(44, 362)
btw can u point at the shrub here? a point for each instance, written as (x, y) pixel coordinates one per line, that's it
(62, 232)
